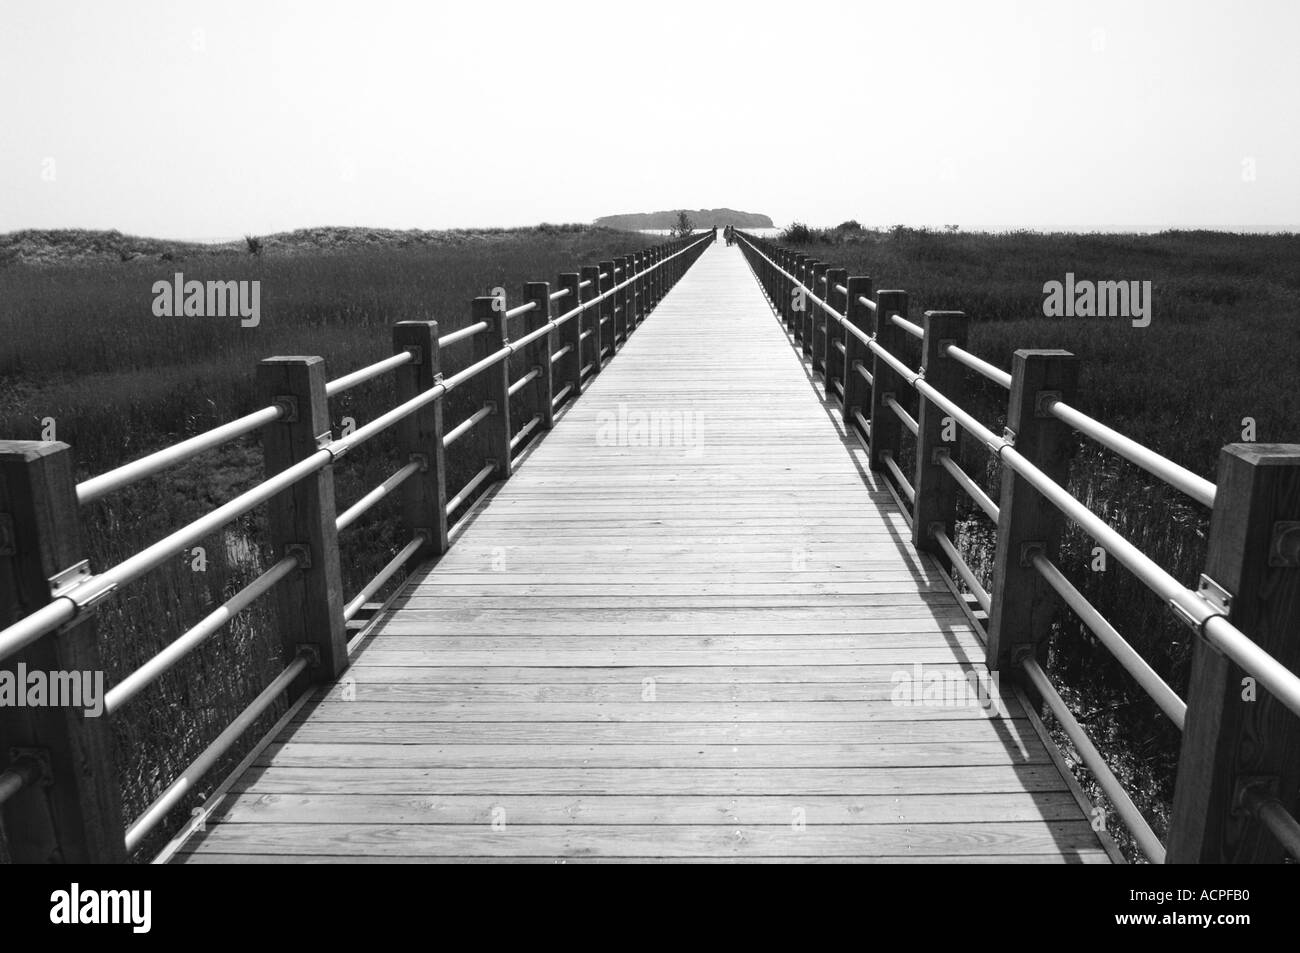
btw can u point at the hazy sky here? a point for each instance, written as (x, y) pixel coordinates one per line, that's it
(215, 119)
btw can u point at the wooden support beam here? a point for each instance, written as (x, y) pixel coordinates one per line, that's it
(71, 810)
(1237, 738)
(886, 428)
(302, 520)
(536, 396)
(419, 435)
(1023, 604)
(493, 384)
(936, 491)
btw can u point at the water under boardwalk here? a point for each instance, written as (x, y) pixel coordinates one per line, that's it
(675, 634)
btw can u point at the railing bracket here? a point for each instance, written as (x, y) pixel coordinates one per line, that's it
(310, 651)
(1264, 786)
(1029, 549)
(64, 580)
(1043, 402)
(940, 454)
(1214, 594)
(417, 354)
(324, 439)
(40, 757)
(288, 405)
(301, 552)
(1284, 547)
(422, 459)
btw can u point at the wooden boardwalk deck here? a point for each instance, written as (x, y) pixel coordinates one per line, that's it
(677, 643)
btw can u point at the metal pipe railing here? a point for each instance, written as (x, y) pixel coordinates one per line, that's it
(455, 502)
(381, 578)
(1179, 477)
(348, 381)
(1146, 677)
(963, 480)
(195, 636)
(1106, 780)
(99, 486)
(172, 796)
(967, 576)
(357, 509)
(464, 427)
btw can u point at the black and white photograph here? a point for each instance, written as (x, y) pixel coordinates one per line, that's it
(853, 432)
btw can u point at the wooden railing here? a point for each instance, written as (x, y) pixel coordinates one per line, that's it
(1238, 777)
(59, 783)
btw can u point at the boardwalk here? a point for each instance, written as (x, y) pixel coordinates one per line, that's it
(674, 633)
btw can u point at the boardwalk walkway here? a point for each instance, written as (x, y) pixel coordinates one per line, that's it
(674, 633)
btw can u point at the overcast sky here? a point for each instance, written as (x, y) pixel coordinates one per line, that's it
(216, 119)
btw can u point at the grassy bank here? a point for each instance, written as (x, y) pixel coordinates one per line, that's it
(83, 349)
(1221, 347)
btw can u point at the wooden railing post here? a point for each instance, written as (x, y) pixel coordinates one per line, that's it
(71, 810)
(1022, 602)
(857, 392)
(886, 428)
(419, 435)
(1239, 742)
(785, 289)
(539, 393)
(622, 328)
(302, 519)
(798, 316)
(568, 369)
(937, 437)
(638, 289)
(493, 384)
(819, 319)
(608, 331)
(591, 321)
(832, 359)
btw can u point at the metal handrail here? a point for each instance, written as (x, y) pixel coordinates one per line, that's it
(156, 811)
(355, 511)
(96, 487)
(348, 381)
(196, 635)
(1179, 477)
(390, 569)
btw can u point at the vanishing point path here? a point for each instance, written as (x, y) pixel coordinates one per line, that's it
(681, 631)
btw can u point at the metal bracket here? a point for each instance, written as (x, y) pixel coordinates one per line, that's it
(939, 454)
(8, 538)
(1214, 594)
(1041, 401)
(1009, 436)
(300, 551)
(417, 354)
(324, 439)
(1284, 546)
(311, 651)
(38, 756)
(69, 578)
(422, 459)
(944, 344)
(1029, 549)
(1263, 786)
(289, 405)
